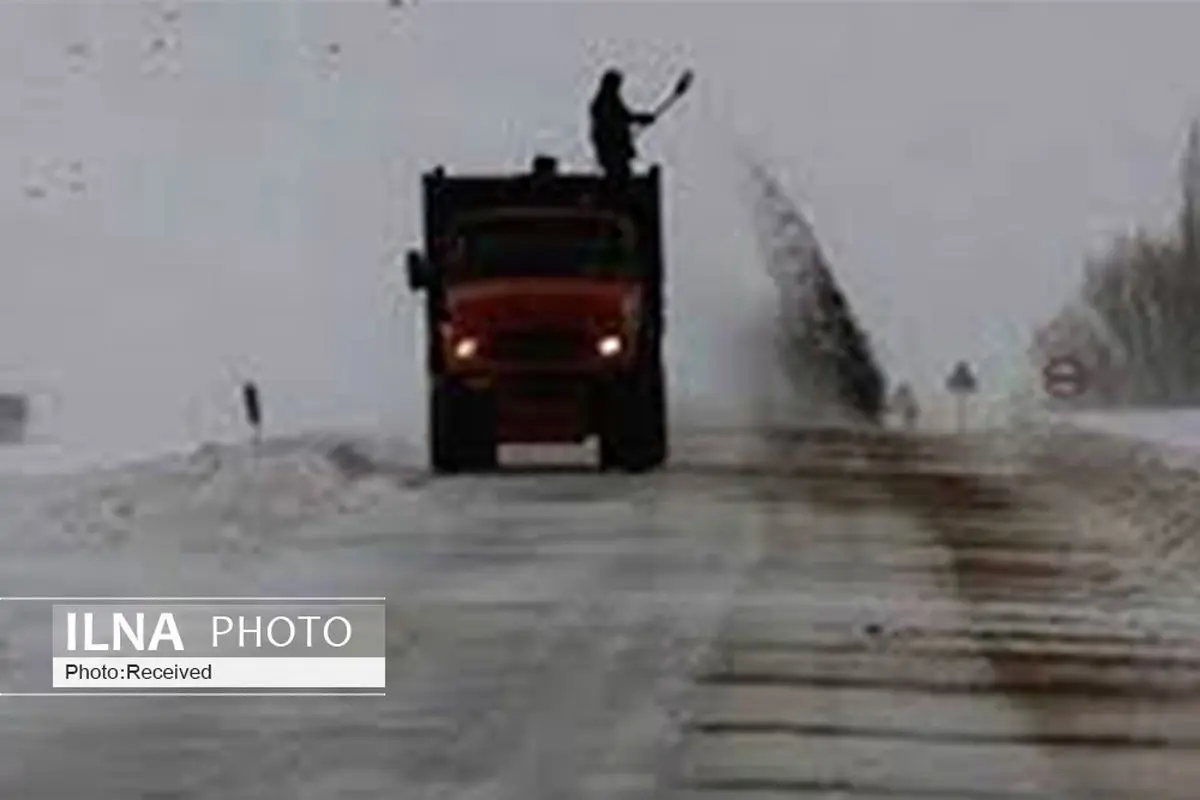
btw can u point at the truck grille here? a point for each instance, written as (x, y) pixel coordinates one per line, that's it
(543, 345)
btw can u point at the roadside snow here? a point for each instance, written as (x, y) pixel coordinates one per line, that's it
(1174, 428)
(222, 499)
(1131, 477)
(541, 625)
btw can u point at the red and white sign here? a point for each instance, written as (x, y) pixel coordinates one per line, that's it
(1064, 377)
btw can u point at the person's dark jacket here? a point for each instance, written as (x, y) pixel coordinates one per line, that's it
(612, 124)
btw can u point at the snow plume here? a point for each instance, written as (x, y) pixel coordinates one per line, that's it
(822, 352)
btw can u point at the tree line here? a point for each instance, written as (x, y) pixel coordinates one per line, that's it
(1135, 323)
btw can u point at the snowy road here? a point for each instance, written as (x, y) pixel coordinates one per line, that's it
(766, 619)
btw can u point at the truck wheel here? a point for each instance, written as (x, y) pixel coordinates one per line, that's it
(610, 446)
(477, 432)
(655, 409)
(444, 446)
(479, 425)
(461, 429)
(616, 432)
(647, 423)
(634, 433)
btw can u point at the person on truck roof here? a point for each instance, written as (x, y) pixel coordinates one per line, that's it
(612, 127)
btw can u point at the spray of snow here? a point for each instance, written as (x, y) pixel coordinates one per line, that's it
(818, 345)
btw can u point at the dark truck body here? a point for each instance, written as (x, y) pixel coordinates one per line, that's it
(554, 343)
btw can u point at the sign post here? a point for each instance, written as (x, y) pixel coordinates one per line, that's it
(962, 384)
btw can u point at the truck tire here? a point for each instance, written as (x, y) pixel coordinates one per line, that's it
(461, 429)
(444, 456)
(478, 438)
(648, 421)
(609, 446)
(634, 431)
(655, 452)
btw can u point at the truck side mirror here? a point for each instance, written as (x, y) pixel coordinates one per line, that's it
(418, 271)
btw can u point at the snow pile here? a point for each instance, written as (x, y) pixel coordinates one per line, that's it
(1173, 430)
(220, 497)
(1121, 486)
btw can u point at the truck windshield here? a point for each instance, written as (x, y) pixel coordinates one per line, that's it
(533, 246)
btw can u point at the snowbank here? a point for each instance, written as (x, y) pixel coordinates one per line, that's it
(1174, 428)
(218, 497)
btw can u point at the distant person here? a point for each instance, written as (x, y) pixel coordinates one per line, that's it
(612, 127)
(904, 403)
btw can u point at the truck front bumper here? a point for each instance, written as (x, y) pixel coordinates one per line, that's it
(541, 407)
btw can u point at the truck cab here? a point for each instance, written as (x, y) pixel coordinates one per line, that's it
(544, 315)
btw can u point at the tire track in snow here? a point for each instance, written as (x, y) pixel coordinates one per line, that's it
(560, 615)
(1097, 703)
(777, 712)
(1000, 677)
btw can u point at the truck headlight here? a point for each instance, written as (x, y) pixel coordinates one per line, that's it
(609, 346)
(466, 348)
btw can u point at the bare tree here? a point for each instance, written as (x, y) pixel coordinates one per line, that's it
(1144, 295)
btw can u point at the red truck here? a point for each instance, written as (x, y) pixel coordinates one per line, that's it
(544, 315)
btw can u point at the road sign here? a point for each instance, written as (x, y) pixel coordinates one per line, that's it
(962, 384)
(1064, 377)
(962, 380)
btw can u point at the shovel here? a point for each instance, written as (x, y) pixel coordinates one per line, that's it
(679, 90)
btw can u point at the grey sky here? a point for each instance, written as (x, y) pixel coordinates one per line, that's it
(246, 188)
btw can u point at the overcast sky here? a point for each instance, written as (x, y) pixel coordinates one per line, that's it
(245, 188)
